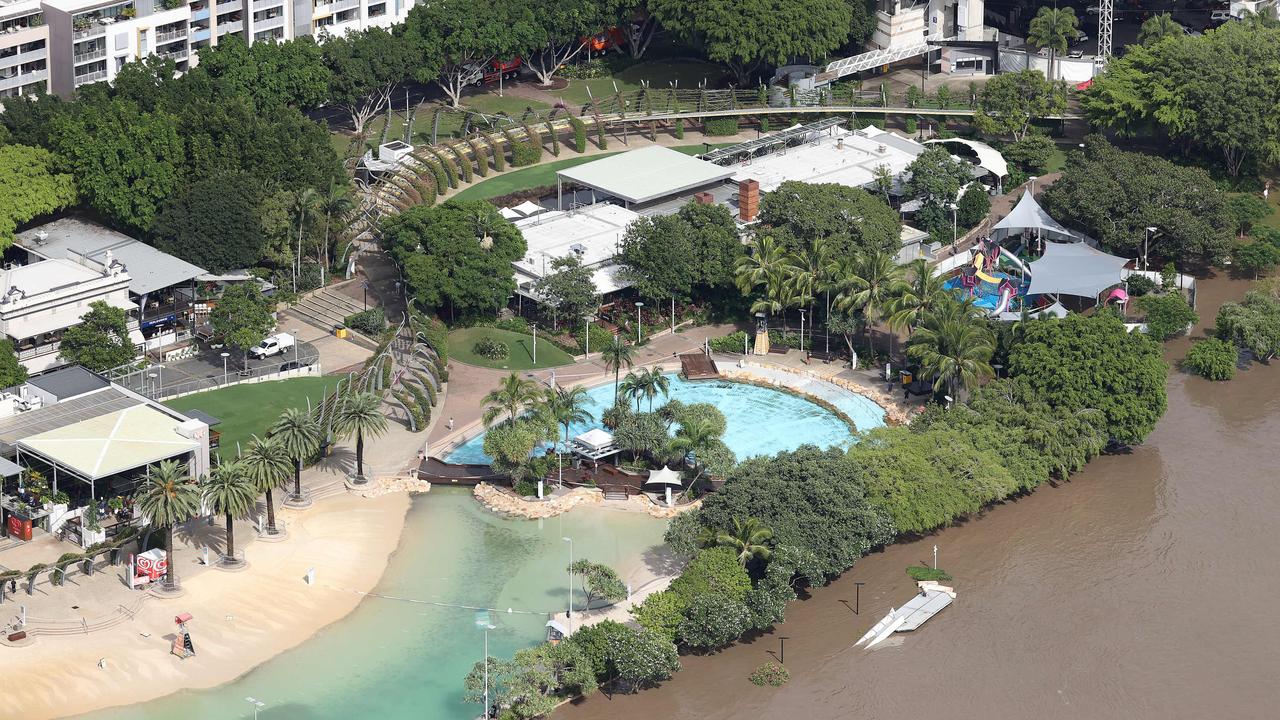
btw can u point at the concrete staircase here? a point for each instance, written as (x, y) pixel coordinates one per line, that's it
(327, 308)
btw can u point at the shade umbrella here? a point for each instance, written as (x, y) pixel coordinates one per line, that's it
(666, 476)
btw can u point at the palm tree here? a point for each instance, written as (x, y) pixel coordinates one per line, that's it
(1157, 28)
(361, 415)
(336, 202)
(694, 436)
(633, 386)
(868, 282)
(767, 266)
(954, 348)
(168, 496)
(1053, 28)
(921, 295)
(299, 433)
(566, 407)
(304, 204)
(615, 355)
(512, 394)
(655, 383)
(748, 540)
(229, 491)
(810, 274)
(266, 463)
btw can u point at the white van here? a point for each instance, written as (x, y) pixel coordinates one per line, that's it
(272, 345)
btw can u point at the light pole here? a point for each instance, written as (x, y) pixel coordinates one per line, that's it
(639, 322)
(535, 343)
(587, 337)
(802, 332)
(257, 705)
(487, 628)
(154, 389)
(569, 614)
(364, 291)
(673, 315)
(1146, 242)
(857, 598)
(295, 346)
(955, 229)
(225, 355)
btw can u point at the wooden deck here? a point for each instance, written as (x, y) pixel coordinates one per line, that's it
(611, 480)
(697, 366)
(438, 471)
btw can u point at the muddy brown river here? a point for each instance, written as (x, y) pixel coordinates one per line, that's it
(1146, 587)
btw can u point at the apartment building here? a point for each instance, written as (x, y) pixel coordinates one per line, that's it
(24, 48)
(72, 43)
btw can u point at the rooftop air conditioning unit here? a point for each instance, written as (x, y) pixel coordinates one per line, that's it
(41, 237)
(578, 248)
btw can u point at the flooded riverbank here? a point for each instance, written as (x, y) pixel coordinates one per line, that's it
(1140, 589)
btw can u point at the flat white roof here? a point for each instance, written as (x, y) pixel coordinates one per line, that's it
(149, 269)
(114, 442)
(838, 156)
(41, 277)
(593, 233)
(646, 174)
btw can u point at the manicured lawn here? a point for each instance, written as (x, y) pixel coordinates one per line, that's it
(1057, 161)
(462, 341)
(545, 174)
(659, 73)
(251, 408)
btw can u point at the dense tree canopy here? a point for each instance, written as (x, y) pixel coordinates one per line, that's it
(1252, 324)
(1114, 195)
(1092, 363)
(100, 341)
(12, 372)
(29, 186)
(852, 219)
(213, 223)
(242, 316)
(364, 67)
(1215, 93)
(746, 34)
(455, 38)
(676, 256)
(936, 180)
(1009, 102)
(456, 256)
(568, 292)
(271, 74)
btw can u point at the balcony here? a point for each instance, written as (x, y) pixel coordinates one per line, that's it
(341, 5)
(24, 58)
(90, 78)
(85, 57)
(176, 55)
(164, 37)
(38, 350)
(21, 79)
(230, 27)
(268, 23)
(94, 30)
(201, 14)
(199, 34)
(226, 4)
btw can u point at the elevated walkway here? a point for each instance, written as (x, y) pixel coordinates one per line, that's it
(697, 366)
(876, 58)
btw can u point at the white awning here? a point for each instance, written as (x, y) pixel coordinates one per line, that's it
(1074, 269)
(665, 476)
(528, 207)
(989, 158)
(594, 439)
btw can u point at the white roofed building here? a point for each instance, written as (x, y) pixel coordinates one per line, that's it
(593, 234)
(834, 155)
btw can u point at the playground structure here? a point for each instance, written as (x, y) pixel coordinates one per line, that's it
(993, 290)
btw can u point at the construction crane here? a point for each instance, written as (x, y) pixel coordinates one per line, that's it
(1106, 9)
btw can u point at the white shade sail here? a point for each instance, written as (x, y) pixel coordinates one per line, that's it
(1074, 269)
(1028, 215)
(665, 476)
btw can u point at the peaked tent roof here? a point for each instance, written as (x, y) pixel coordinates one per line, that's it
(1074, 269)
(989, 158)
(1028, 215)
(665, 476)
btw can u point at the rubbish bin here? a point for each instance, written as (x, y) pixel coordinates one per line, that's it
(340, 331)
(907, 377)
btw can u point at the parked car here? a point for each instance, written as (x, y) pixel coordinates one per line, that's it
(291, 365)
(1217, 17)
(1076, 54)
(272, 345)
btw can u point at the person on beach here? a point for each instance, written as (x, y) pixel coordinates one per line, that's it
(450, 424)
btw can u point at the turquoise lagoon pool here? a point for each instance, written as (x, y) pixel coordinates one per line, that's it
(396, 660)
(760, 421)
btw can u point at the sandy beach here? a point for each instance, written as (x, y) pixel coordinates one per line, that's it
(241, 619)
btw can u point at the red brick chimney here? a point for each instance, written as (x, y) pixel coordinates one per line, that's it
(704, 198)
(748, 200)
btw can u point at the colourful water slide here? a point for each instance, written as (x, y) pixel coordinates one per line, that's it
(978, 260)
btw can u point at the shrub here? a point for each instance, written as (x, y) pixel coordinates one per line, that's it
(524, 154)
(438, 172)
(920, 572)
(601, 140)
(679, 132)
(427, 386)
(464, 163)
(771, 674)
(911, 126)
(720, 126)
(1169, 276)
(713, 620)
(499, 155)
(764, 124)
(1213, 359)
(491, 349)
(371, 322)
(451, 174)
(580, 134)
(555, 139)
(534, 137)
(734, 342)
(526, 488)
(482, 163)
(1140, 285)
(1168, 315)
(599, 338)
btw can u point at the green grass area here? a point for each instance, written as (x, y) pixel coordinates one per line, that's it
(451, 120)
(545, 174)
(1273, 220)
(1057, 161)
(659, 74)
(462, 341)
(251, 408)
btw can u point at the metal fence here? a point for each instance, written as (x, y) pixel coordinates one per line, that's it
(150, 381)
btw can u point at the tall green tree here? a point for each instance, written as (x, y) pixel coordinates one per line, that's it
(212, 223)
(562, 31)
(512, 395)
(1092, 362)
(568, 291)
(868, 283)
(267, 464)
(733, 32)
(364, 68)
(100, 341)
(598, 582)
(851, 219)
(457, 255)
(299, 433)
(567, 406)
(291, 73)
(30, 186)
(242, 317)
(936, 180)
(229, 492)
(1010, 102)
(125, 162)
(12, 372)
(922, 294)
(1158, 27)
(748, 539)
(614, 355)
(360, 415)
(455, 39)
(168, 497)
(1053, 28)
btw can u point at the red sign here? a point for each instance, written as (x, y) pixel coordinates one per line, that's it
(19, 528)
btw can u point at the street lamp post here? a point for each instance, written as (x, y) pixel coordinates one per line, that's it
(257, 705)
(639, 322)
(364, 291)
(857, 598)
(487, 628)
(569, 614)
(802, 332)
(1146, 242)
(673, 315)
(535, 344)
(225, 355)
(295, 347)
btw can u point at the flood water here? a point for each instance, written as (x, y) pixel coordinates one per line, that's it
(1143, 588)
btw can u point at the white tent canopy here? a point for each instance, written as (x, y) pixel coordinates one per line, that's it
(528, 208)
(1028, 215)
(1074, 269)
(594, 444)
(665, 476)
(989, 158)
